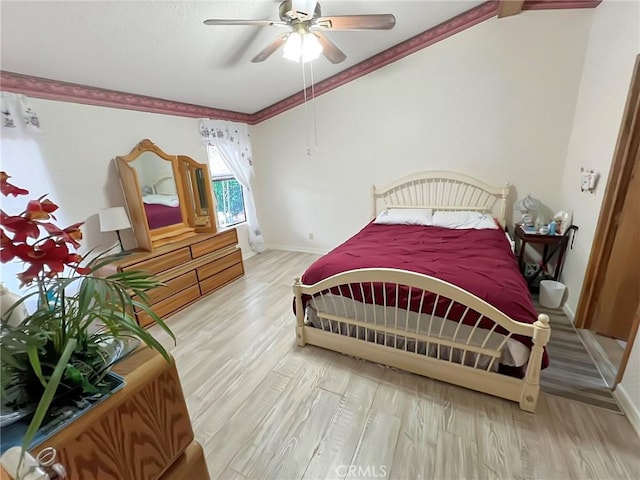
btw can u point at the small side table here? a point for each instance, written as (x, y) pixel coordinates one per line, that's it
(557, 242)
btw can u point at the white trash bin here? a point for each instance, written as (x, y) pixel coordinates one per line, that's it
(551, 293)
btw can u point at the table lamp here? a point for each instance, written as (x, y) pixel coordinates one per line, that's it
(527, 206)
(114, 219)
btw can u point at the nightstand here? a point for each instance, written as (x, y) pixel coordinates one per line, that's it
(552, 245)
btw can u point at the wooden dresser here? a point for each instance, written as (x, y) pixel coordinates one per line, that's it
(190, 269)
(141, 432)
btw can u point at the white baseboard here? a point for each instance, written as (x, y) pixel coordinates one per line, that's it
(570, 314)
(291, 248)
(628, 407)
(247, 255)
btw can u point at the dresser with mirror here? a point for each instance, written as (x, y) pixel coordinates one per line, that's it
(172, 211)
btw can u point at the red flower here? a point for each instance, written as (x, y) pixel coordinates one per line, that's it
(7, 252)
(48, 256)
(4, 240)
(40, 210)
(21, 227)
(7, 189)
(70, 235)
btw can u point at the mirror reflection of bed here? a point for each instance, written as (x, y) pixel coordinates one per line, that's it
(168, 196)
(158, 190)
(161, 206)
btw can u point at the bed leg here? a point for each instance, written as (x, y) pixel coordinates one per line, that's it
(531, 387)
(300, 337)
(297, 290)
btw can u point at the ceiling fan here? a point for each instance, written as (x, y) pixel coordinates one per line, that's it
(305, 39)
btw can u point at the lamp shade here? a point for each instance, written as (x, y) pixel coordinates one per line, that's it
(113, 219)
(527, 204)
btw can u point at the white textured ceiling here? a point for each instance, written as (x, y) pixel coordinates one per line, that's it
(162, 49)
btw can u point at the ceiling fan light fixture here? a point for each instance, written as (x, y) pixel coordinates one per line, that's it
(302, 47)
(304, 9)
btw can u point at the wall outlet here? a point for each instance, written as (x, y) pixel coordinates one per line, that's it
(310, 236)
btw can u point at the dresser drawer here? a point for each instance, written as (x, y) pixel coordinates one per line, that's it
(172, 286)
(167, 306)
(219, 265)
(225, 239)
(163, 262)
(220, 279)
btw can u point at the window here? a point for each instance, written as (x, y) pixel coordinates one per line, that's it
(227, 190)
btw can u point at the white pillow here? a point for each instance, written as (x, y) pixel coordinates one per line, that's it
(404, 216)
(463, 220)
(166, 200)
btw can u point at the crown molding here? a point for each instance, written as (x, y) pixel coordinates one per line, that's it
(71, 92)
(556, 4)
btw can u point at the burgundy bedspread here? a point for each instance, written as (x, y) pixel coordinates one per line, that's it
(162, 215)
(479, 261)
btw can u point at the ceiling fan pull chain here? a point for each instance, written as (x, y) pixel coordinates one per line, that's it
(313, 109)
(306, 115)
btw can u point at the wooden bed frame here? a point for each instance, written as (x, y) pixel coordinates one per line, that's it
(441, 191)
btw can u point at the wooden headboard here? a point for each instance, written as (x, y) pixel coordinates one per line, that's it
(441, 190)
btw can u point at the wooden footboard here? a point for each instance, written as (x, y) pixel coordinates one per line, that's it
(427, 350)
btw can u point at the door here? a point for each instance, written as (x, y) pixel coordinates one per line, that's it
(619, 295)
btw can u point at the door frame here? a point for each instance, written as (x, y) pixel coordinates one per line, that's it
(622, 164)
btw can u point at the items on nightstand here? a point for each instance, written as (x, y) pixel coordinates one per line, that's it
(563, 221)
(528, 206)
(552, 245)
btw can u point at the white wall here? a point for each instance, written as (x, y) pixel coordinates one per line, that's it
(74, 162)
(495, 101)
(628, 390)
(614, 42)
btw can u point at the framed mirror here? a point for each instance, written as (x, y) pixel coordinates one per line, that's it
(199, 196)
(168, 196)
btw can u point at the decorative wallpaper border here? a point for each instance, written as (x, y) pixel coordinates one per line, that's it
(429, 37)
(71, 92)
(556, 4)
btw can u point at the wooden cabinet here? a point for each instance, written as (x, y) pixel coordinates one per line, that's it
(141, 432)
(189, 269)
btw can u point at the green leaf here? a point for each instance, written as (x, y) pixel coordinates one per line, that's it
(34, 360)
(47, 397)
(73, 374)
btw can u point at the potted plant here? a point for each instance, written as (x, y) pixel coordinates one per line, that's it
(64, 348)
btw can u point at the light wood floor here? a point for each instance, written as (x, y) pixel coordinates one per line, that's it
(613, 349)
(264, 408)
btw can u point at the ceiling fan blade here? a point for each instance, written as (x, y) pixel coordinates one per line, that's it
(231, 21)
(329, 50)
(383, 21)
(272, 47)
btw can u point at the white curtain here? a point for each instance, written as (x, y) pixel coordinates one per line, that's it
(23, 160)
(234, 144)
(18, 117)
